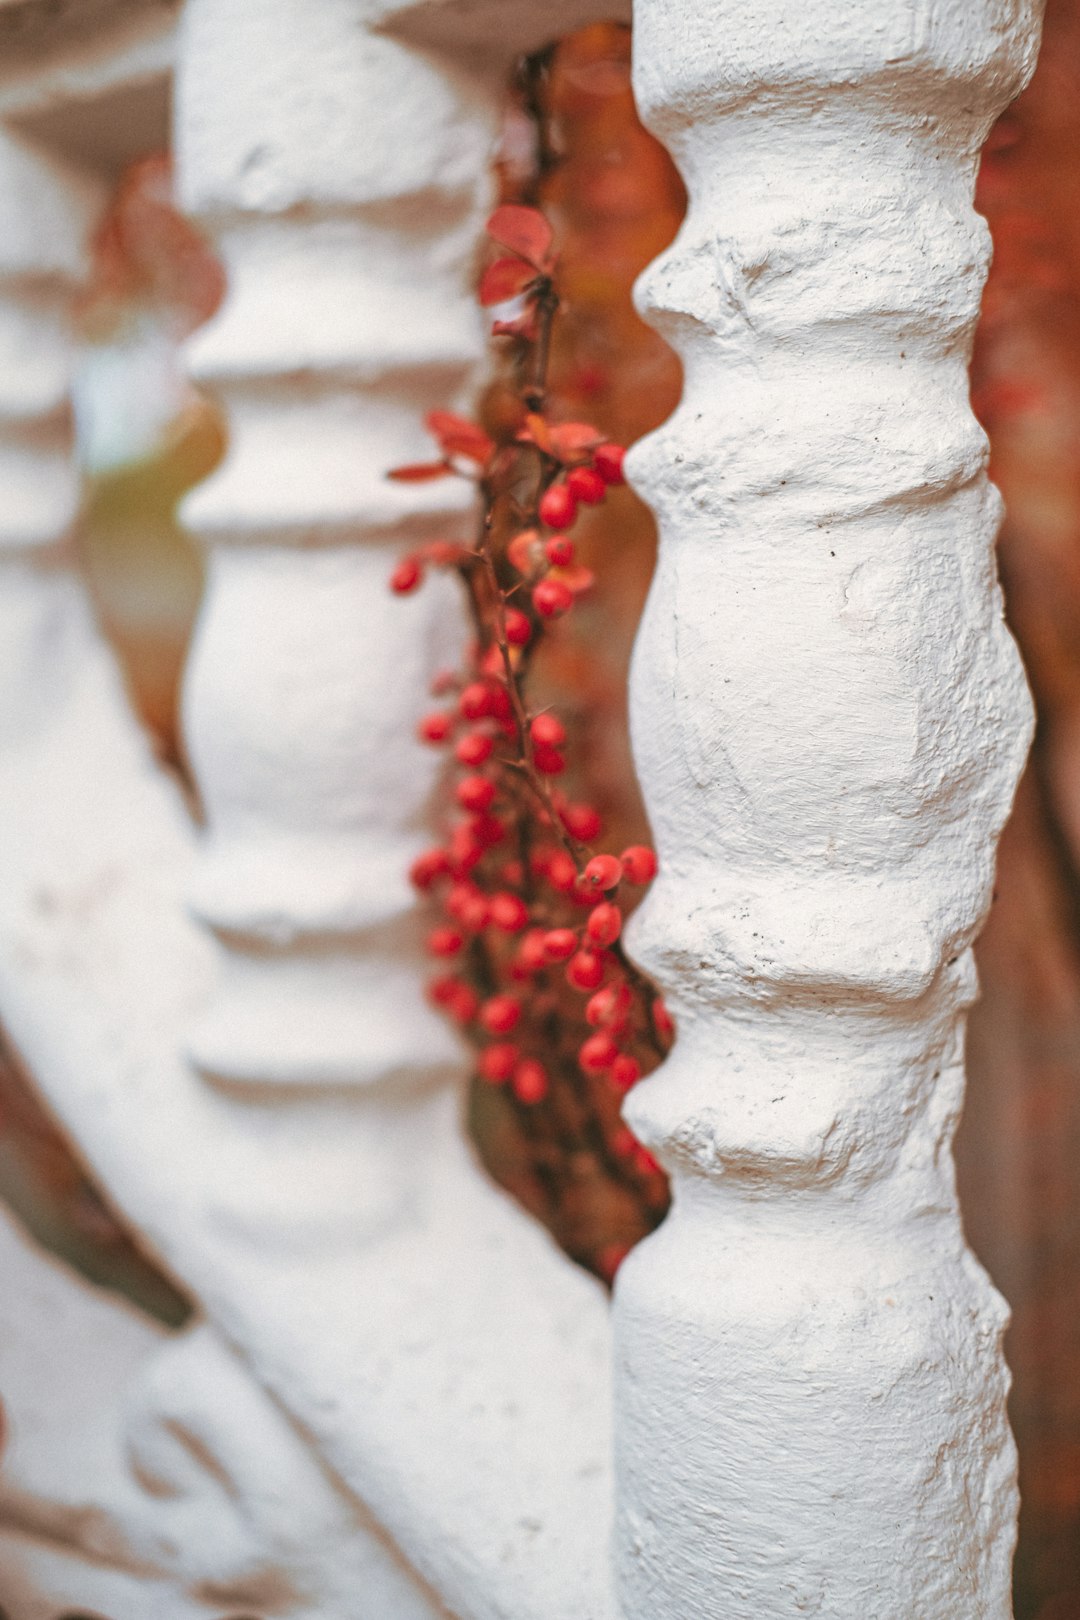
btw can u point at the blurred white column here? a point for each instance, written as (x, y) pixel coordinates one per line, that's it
(339, 156)
(829, 719)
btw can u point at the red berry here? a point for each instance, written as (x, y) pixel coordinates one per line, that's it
(559, 944)
(625, 1071)
(623, 1142)
(558, 507)
(508, 912)
(499, 704)
(518, 628)
(600, 1006)
(491, 664)
(499, 1014)
(608, 461)
(462, 1008)
(598, 1053)
(444, 941)
(581, 822)
(585, 971)
(644, 1161)
(474, 748)
(561, 872)
(530, 1081)
(445, 554)
(639, 863)
(459, 897)
(428, 867)
(459, 998)
(532, 951)
(468, 907)
(436, 726)
(547, 731)
(474, 914)
(549, 762)
(604, 924)
(665, 1024)
(608, 1004)
(475, 701)
(487, 830)
(475, 793)
(465, 849)
(583, 894)
(551, 598)
(525, 552)
(442, 991)
(586, 485)
(604, 872)
(540, 860)
(406, 576)
(498, 1062)
(559, 551)
(608, 1260)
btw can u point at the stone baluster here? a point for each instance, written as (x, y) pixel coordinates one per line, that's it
(422, 1330)
(45, 215)
(344, 178)
(829, 719)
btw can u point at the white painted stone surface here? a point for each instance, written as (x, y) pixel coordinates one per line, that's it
(146, 1473)
(140, 1473)
(829, 719)
(310, 1184)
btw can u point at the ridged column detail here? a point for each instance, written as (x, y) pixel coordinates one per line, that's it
(343, 177)
(829, 719)
(46, 213)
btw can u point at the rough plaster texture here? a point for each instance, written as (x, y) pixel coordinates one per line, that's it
(829, 719)
(147, 1474)
(142, 1473)
(276, 1112)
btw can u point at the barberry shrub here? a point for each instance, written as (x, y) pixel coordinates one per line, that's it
(527, 911)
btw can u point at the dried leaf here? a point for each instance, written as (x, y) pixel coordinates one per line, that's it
(524, 231)
(536, 432)
(573, 438)
(419, 472)
(575, 578)
(525, 552)
(505, 279)
(458, 436)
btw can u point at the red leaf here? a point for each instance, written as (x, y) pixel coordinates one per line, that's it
(419, 472)
(505, 279)
(575, 578)
(524, 231)
(459, 437)
(525, 552)
(572, 438)
(524, 326)
(535, 432)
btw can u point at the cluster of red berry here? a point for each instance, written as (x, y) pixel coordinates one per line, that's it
(531, 918)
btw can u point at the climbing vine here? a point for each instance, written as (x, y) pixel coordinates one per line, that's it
(527, 909)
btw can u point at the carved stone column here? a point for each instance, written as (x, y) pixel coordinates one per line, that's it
(829, 719)
(444, 1367)
(45, 212)
(344, 178)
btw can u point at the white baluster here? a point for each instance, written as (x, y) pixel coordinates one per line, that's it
(345, 179)
(829, 719)
(445, 1365)
(45, 214)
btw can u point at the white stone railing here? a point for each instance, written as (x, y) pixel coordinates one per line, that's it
(829, 719)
